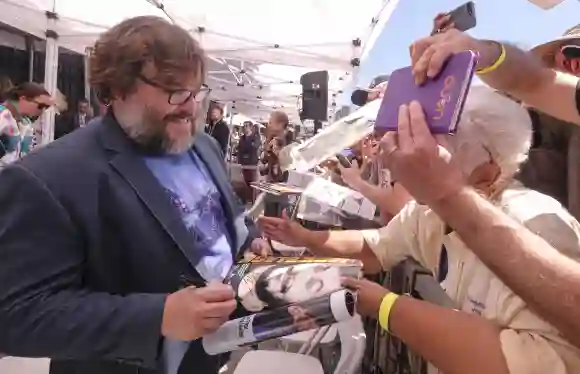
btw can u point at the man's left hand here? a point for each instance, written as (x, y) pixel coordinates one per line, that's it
(260, 247)
(369, 295)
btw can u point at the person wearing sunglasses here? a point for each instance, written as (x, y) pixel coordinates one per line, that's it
(563, 53)
(25, 102)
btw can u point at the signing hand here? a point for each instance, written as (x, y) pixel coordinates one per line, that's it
(283, 230)
(193, 312)
(417, 161)
(369, 295)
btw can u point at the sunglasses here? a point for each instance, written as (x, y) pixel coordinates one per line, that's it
(570, 51)
(41, 106)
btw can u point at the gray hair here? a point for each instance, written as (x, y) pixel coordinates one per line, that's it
(492, 126)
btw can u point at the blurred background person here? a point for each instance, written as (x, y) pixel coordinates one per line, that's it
(25, 103)
(276, 139)
(218, 128)
(5, 86)
(73, 120)
(248, 156)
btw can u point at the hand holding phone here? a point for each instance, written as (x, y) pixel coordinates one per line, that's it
(344, 162)
(463, 17)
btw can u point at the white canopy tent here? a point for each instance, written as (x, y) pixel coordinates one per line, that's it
(257, 49)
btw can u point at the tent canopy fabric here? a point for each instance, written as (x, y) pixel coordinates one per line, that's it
(257, 49)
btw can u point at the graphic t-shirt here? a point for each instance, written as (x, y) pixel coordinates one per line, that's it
(191, 190)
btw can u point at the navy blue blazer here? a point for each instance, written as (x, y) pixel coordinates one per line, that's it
(89, 248)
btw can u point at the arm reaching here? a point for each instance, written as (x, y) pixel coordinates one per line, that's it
(467, 343)
(516, 72)
(378, 249)
(389, 200)
(543, 277)
(346, 244)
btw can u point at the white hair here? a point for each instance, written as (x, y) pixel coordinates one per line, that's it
(492, 126)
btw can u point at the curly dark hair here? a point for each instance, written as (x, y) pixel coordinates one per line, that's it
(122, 53)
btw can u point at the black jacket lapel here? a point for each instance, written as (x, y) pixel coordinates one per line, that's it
(206, 152)
(133, 169)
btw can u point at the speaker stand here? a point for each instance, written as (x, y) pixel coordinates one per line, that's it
(317, 126)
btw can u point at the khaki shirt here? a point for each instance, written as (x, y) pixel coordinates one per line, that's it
(529, 343)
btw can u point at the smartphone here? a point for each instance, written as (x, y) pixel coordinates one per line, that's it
(344, 162)
(463, 17)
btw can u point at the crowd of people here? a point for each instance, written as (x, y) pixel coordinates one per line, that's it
(99, 229)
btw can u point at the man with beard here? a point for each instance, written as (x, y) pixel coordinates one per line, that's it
(115, 239)
(218, 128)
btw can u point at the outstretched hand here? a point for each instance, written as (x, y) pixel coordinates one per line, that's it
(283, 230)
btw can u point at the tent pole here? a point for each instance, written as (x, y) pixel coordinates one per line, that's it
(30, 51)
(50, 75)
(86, 75)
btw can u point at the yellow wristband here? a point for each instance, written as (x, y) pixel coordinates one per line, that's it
(496, 64)
(385, 309)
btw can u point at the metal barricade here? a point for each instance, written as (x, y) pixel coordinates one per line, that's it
(386, 354)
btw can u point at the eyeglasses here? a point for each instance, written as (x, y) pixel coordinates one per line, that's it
(179, 97)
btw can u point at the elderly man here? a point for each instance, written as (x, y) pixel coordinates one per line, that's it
(495, 332)
(115, 239)
(555, 295)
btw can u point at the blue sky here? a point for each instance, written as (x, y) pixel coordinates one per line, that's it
(513, 20)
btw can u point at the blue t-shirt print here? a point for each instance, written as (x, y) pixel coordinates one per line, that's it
(191, 190)
(203, 219)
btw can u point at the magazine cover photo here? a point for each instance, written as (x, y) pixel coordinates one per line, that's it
(266, 283)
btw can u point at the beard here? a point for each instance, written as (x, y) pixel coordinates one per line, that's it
(159, 134)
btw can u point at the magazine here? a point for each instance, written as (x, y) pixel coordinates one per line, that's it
(287, 320)
(285, 295)
(266, 283)
(276, 188)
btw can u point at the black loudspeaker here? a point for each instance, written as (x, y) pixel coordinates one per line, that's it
(314, 96)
